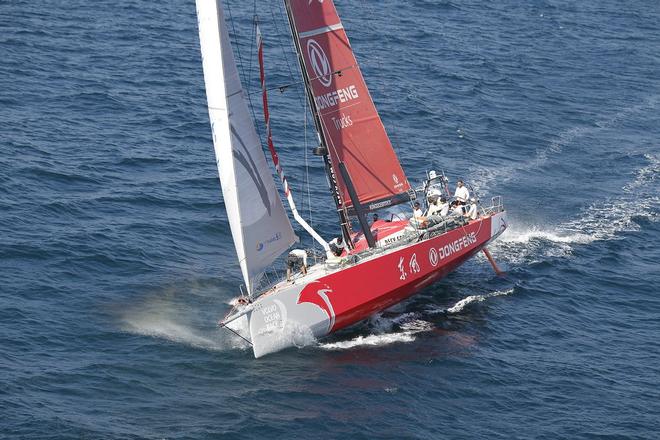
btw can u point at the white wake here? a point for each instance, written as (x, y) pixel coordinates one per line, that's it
(602, 220)
(462, 304)
(406, 334)
(410, 325)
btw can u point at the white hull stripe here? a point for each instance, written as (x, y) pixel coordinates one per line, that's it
(321, 30)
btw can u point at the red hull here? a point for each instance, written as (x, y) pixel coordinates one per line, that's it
(360, 291)
(319, 305)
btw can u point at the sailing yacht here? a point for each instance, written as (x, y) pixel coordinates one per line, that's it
(385, 262)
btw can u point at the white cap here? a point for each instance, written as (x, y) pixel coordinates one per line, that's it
(432, 174)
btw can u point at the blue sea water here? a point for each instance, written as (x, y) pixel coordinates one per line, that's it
(116, 258)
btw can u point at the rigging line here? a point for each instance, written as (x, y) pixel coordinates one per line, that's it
(253, 38)
(279, 40)
(309, 194)
(302, 181)
(237, 334)
(314, 78)
(238, 48)
(245, 77)
(281, 88)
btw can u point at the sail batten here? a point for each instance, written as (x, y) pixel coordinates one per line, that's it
(321, 30)
(260, 228)
(352, 129)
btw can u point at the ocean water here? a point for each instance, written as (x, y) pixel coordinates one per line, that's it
(116, 259)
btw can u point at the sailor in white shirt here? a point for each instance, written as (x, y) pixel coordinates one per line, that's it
(472, 210)
(417, 211)
(462, 194)
(296, 258)
(433, 206)
(457, 209)
(337, 246)
(438, 206)
(444, 207)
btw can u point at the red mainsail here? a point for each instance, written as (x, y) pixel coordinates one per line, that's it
(351, 126)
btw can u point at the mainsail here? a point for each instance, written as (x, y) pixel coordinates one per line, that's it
(351, 127)
(259, 224)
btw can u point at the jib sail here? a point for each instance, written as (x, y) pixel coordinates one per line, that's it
(259, 225)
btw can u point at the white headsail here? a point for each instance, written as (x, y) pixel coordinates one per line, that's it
(259, 225)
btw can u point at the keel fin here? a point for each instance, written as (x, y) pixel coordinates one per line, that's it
(493, 263)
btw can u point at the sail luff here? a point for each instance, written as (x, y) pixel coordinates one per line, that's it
(260, 228)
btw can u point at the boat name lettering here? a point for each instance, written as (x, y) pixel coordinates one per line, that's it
(457, 245)
(335, 97)
(401, 267)
(413, 267)
(344, 122)
(413, 264)
(382, 204)
(268, 309)
(393, 239)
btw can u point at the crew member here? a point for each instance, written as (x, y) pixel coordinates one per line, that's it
(457, 208)
(434, 206)
(417, 210)
(472, 209)
(337, 246)
(418, 220)
(462, 194)
(444, 206)
(297, 258)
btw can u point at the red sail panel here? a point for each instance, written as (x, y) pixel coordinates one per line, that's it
(352, 128)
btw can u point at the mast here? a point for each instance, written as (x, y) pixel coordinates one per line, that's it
(322, 150)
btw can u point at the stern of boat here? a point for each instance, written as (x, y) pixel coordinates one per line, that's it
(498, 218)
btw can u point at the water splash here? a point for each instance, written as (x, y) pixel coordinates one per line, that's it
(407, 334)
(462, 304)
(411, 324)
(602, 220)
(173, 331)
(524, 235)
(166, 318)
(646, 176)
